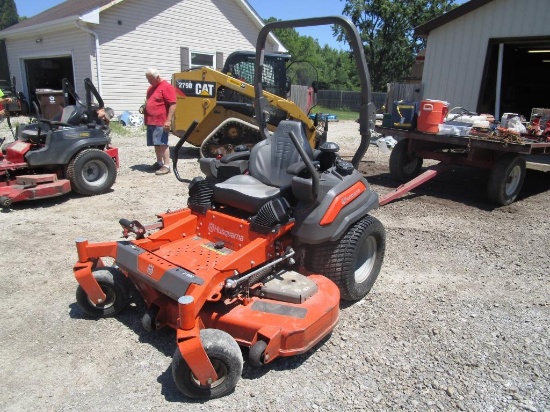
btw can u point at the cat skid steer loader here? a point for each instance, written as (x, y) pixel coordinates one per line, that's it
(222, 104)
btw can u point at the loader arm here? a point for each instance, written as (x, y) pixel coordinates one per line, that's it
(210, 97)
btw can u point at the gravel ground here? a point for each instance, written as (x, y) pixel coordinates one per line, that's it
(458, 319)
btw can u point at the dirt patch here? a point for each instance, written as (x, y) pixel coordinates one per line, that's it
(458, 318)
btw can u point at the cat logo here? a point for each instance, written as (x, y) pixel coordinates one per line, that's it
(204, 89)
(196, 88)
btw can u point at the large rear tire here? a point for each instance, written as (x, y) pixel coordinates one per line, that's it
(227, 359)
(91, 172)
(403, 166)
(354, 261)
(506, 178)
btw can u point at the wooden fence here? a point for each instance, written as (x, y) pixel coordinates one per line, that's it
(339, 99)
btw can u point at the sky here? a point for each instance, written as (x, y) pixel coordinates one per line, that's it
(280, 9)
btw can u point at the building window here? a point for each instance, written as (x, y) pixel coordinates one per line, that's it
(202, 59)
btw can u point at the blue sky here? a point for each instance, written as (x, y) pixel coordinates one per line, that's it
(281, 9)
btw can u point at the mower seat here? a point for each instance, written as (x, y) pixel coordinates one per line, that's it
(268, 177)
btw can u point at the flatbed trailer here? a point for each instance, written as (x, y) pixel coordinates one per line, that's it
(505, 159)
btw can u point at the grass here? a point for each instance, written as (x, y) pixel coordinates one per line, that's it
(342, 114)
(119, 129)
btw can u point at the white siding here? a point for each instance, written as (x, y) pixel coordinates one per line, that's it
(137, 34)
(72, 43)
(150, 34)
(456, 52)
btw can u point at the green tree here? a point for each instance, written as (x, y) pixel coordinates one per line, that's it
(8, 14)
(332, 69)
(386, 28)
(8, 17)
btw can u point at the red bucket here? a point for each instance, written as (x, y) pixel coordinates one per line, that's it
(431, 114)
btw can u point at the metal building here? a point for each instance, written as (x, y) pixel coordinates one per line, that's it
(490, 56)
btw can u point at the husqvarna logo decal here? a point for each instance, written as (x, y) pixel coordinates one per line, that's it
(341, 201)
(150, 269)
(213, 228)
(346, 199)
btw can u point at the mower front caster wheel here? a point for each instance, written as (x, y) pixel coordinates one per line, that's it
(115, 285)
(5, 202)
(256, 355)
(227, 359)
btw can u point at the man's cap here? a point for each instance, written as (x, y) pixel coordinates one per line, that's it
(109, 113)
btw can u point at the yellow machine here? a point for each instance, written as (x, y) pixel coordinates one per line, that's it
(222, 104)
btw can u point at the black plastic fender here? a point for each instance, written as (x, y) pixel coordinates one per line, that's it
(308, 228)
(62, 145)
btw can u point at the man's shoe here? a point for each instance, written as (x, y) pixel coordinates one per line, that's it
(155, 166)
(164, 170)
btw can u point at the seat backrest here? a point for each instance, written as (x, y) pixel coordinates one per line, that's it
(71, 115)
(270, 158)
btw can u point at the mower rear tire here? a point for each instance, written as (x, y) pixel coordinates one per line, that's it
(403, 166)
(506, 179)
(354, 261)
(117, 288)
(227, 359)
(91, 172)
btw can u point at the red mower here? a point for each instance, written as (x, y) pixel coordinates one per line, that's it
(53, 157)
(271, 240)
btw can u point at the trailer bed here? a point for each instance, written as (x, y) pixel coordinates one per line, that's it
(506, 159)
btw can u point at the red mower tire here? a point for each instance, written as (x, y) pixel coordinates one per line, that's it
(91, 172)
(115, 285)
(354, 261)
(227, 359)
(403, 166)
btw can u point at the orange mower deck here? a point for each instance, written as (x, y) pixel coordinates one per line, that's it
(188, 254)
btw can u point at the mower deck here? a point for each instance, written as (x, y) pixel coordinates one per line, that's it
(28, 187)
(193, 256)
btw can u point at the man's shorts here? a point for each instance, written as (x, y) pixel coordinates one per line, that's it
(156, 136)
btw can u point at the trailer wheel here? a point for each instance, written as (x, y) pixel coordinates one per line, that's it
(115, 285)
(354, 261)
(227, 359)
(403, 166)
(91, 172)
(506, 179)
(257, 353)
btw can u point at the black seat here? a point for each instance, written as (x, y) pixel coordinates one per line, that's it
(268, 164)
(72, 115)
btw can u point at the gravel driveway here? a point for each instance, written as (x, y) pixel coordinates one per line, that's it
(458, 319)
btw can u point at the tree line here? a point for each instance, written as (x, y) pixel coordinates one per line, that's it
(386, 29)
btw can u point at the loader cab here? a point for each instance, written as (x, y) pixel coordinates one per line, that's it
(240, 64)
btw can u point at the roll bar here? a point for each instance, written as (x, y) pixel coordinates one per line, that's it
(261, 103)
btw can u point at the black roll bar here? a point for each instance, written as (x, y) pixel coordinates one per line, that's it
(261, 103)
